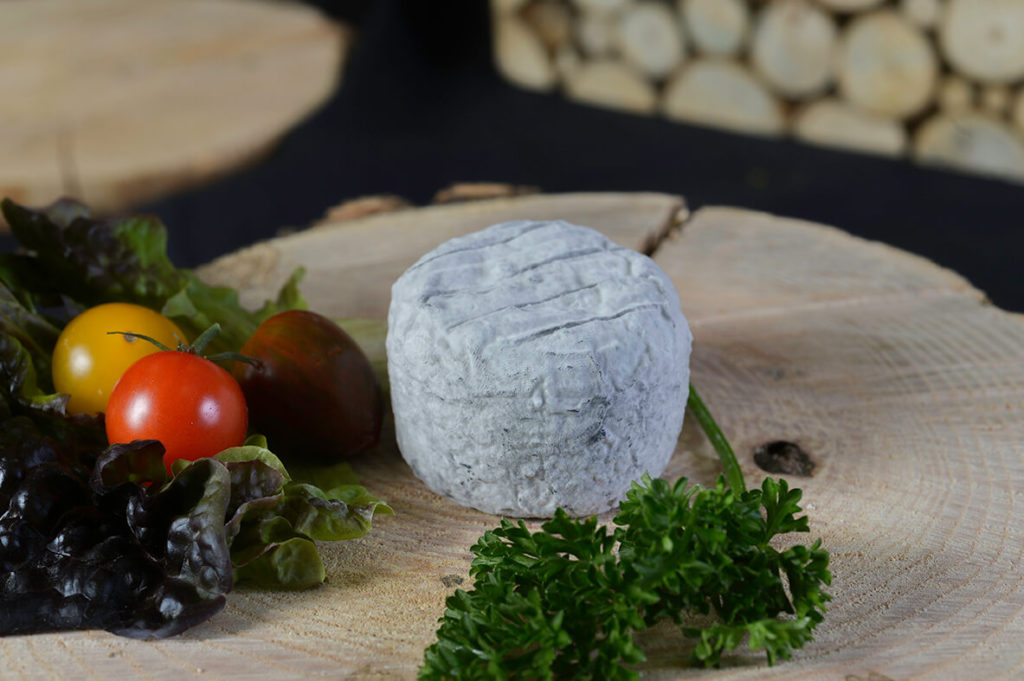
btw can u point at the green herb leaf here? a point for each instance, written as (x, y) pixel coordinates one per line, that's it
(565, 602)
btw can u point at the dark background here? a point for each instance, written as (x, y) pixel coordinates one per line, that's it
(422, 107)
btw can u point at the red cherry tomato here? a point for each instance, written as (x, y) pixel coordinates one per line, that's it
(191, 405)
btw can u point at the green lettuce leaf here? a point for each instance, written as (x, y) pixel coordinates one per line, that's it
(254, 449)
(275, 515)
(279, 558)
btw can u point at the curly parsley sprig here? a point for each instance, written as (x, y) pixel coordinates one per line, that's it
(564, 602)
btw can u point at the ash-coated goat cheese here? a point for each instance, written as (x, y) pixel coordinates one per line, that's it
(536, 364)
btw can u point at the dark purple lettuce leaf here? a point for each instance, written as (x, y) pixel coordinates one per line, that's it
(141, 462)
(35, 332)
(183, 525)
(23, 402)
(19, 378)
(89, 548)
(251, 482)
(97, 261)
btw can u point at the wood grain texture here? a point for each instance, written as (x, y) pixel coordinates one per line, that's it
(117, 101)
(905, 387)
(907, 390)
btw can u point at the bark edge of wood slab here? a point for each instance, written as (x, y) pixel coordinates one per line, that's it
(355, 280)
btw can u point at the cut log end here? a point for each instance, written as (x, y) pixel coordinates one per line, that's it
(973, 143)
(886, 66)
(794, 47)
(650, 39)
(924, 14)
(984, 39)
(833, 123)
(479, 191)
(521, 56)
(611, 84)
(717, 27)
(956, 95)
(721, 93)
(1017, 114)
(361, 207)
(552, 22)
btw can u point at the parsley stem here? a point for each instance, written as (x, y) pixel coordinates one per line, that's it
(733, 474)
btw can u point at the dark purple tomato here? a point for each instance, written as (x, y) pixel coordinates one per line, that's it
(311, 391)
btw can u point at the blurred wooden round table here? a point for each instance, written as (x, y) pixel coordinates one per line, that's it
(119, 101)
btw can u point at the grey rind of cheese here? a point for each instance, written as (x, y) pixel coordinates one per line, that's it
(536, 365)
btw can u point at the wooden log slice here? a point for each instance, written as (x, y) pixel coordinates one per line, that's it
(717, 27)
(720, 93)
(971, 142)
(116, 101)
(924, 14)
(956, 95)
(552, 22)
(996, 100)
(833, 123)
(886, 66)
(521, 56)
(984, 39)
(595, 34)
(601, 6)
(612, 84)
(567, 62)
(1017, 113)
(650, 38)
(794, 47)
(894, 376)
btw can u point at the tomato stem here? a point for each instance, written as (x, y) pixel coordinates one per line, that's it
(132, 336)
(234, 356)
(204, 339)
(197, 347)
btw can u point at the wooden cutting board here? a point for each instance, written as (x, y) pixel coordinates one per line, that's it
(894, 375)
(118, 101)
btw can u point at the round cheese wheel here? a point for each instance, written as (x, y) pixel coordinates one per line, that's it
(536, 365)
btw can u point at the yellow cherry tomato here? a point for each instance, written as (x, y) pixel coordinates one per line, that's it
(88, 361)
